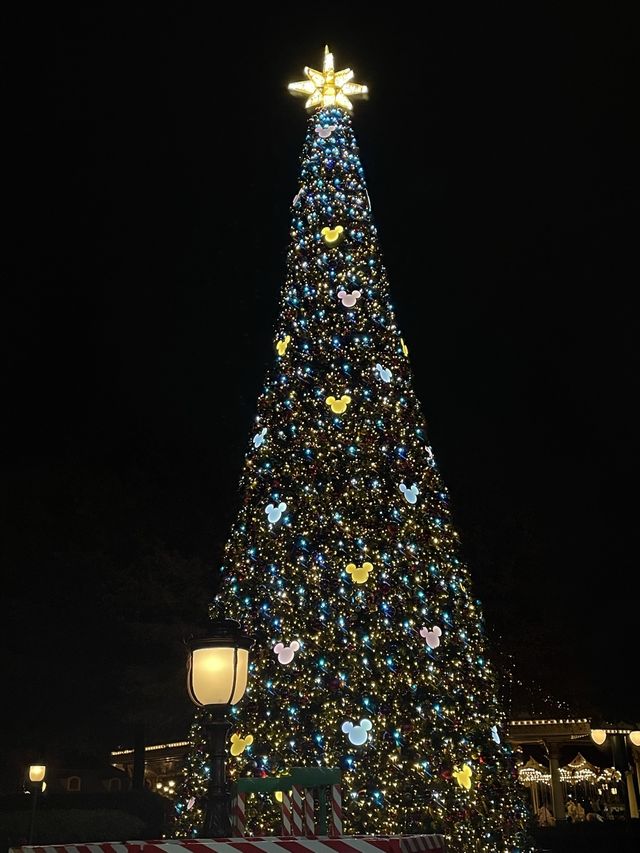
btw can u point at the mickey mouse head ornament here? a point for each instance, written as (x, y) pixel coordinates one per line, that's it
(410, 495)
(338, 407)
(332, 236)
(431, 636)
(258, 438)
(463, 777)
(286, 653)
(282, 345)
(359, 574)
(325, 132)
(357, 734)
(274, 513)
(349, 299)
(384, 373)
(239, 744)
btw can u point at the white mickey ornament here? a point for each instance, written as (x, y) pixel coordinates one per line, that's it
(349, 299)
(286, 653)
(410, 495)
(325, 132)
(494, 734)
(431, 636)
(357, 734)
(274, 513)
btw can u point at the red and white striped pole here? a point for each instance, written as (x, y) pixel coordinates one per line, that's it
(297, 794)
(287, 825)
(335, 815)
(239, 809)
(309, 808)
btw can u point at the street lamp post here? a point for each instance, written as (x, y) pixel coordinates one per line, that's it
(217, 679)
(36, 777)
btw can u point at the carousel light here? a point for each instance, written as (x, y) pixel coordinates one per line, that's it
(598, 736)
(634, 737)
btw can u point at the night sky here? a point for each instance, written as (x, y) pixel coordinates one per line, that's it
(152, 163)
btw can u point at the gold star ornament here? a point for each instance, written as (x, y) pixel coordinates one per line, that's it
(328, 88)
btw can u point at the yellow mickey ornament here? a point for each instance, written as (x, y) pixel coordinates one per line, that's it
(338, 406)
(238, 743)
(463, 777)
(405, 349)
(282, 345)
(332, 236)
(359, 574)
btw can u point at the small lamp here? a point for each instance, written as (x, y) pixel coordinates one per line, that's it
(36, 777)
(217, 678)
(37, 772)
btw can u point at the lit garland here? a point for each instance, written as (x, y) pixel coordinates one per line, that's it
(354, 569)
(576, 772)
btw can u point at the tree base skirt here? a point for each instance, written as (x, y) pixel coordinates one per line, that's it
(274, 844)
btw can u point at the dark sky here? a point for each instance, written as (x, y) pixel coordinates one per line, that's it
(152, 162)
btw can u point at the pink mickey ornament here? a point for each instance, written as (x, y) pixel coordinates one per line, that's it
(286, 653)
(325, 132)
(431, 636)
(349, 299)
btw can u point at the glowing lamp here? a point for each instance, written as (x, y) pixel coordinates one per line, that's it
(36, 777)
(217, 678)
(37, 772)
(218, 665)
(598, 736)
(634, 737)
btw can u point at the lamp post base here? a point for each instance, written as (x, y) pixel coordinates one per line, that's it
(217, 823)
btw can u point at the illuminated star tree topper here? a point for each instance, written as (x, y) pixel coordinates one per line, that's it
(328, 88)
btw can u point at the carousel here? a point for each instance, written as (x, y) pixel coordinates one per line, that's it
(591, 793)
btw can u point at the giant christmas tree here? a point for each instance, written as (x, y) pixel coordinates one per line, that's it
(343, 562)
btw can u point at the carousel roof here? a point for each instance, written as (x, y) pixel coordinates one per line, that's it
(533, 771)
(577, 770)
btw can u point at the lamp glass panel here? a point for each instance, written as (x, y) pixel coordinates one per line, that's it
(241, 678)
(212, 675)
(36, 772)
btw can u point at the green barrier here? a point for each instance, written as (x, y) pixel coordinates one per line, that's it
(317, 779)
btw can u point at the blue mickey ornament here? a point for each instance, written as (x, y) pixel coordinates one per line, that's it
(274, 513)
(258, 438)
(357, 734)
(410, 495)
(384, 373)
